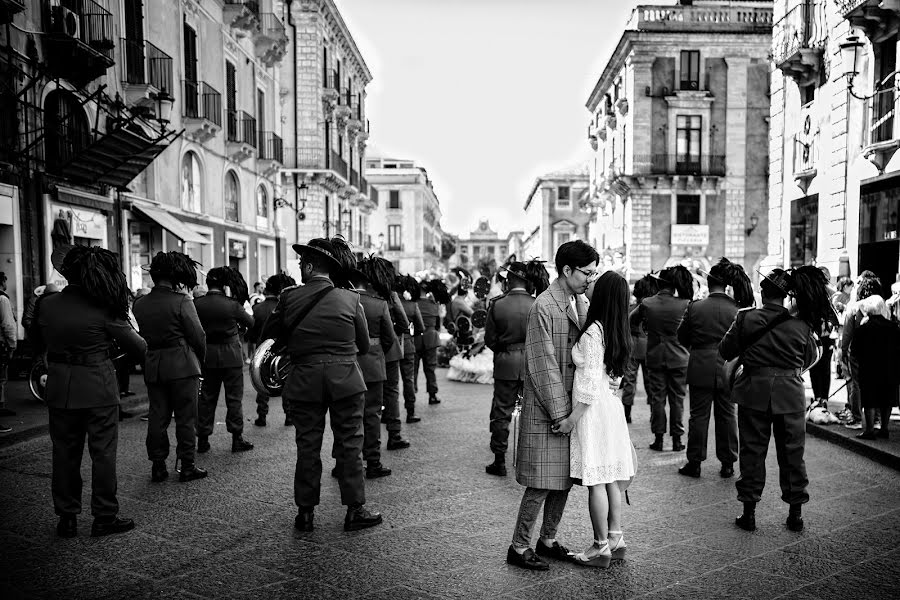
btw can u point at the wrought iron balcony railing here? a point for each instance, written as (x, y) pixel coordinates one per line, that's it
(880, 112)
(847, 6)
(675, 164)
(338, 164)
(241, 128)
(804, 26)
(79, 38)
(271, 147)
(354, 178)
(332, 80)
(304, 159)
(202, 101)
(145, 64)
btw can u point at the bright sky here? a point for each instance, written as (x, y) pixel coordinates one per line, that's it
(484, 94)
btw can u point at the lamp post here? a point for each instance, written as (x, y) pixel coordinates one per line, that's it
(851, 63)
(164, 102)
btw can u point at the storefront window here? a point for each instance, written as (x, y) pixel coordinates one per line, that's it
(804, 230)
(879, 230)
(191, 198)
(232, 198)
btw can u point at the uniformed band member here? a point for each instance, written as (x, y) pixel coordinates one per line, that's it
(504, 334)
(176, 347)
(372, 365)
(643, 288)
(409, 287)
(382, 271)
(76, 327)
(426, 346)
(459, 305)
(327, 329)
(667, 359)
(261, 311)
(769, 391)
(703, 327)
(222, 316)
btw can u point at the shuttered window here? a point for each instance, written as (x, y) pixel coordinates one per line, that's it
(231, 101)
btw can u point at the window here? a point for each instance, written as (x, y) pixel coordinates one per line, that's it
(232, 198)
(266, 260)
(562, 237)
(687, 210)
(394, 241)
(563, 201)
(476, 251)
(260, 112)
(490, 250)
(67, 130)
(394, 201)
(231, 101)
(191, 88)
(804, 230)
(687, 144)
(191, 197)
(262, 203)
(690, 70)
(503, 251)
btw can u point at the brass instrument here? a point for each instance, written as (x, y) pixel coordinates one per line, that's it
(269, 369)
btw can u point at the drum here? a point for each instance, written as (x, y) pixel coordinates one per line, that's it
(37, 380)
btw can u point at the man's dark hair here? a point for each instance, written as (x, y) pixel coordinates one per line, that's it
(2, 277)
(575, 254)
(644, 288)
(319, 263)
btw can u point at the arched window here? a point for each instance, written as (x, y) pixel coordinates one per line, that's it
(232, 198)
(262, 203)
(67, 129)
(191, 197)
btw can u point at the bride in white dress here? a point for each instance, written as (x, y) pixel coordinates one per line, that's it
(601, 453)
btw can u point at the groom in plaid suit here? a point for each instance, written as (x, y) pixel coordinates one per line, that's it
(542, 464)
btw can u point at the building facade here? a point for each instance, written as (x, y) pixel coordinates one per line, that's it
(484, 246)
(835, 178)
(680, 135)
(405, 225)
(554, 214)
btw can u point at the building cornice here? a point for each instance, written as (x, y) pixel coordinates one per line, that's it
(333, 17)
(611, 70)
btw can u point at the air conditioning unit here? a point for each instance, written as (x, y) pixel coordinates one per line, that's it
(64, 21)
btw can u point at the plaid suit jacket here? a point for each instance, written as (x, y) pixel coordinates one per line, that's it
(543, 457)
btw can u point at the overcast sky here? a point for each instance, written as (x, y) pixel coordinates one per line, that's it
(485, 94)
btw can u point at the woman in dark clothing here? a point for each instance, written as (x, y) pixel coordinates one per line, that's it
(643, 288)
(876, 348)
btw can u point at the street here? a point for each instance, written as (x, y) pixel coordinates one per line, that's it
(447, 524)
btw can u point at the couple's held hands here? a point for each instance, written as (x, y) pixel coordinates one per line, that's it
(563, 426)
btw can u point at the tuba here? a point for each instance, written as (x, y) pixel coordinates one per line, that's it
(269, 369)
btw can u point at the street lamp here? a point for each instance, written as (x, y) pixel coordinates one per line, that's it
(302, 191)
(851, 63)
(164, 102)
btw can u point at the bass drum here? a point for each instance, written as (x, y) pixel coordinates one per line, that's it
(268, 369)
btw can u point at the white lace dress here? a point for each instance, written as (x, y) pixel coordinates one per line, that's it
(600, 450)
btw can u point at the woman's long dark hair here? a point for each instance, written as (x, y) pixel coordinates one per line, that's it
(175, 267)
(734, 275)
(219, 277)
(97, 272)
(609, 307)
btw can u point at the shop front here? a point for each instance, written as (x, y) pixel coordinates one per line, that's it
(11, 250)
(76, 217)
(879, 230)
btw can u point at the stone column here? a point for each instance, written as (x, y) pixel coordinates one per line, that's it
(733, 189)
(779, 224)
(641, 232)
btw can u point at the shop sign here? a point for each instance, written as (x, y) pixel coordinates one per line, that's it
(83, 223)
(690, 235)
(237, 249)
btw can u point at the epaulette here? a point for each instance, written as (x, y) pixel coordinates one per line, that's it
(495, 298)
(746, 308)
(290, 287)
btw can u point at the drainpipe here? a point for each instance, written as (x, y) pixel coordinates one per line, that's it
(293, 24)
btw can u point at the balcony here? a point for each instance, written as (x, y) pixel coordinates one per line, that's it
(338, 165)
(79, 39)
(242, 15)
(881, 139)
(314, 164)
(675, 164)
(344, 108)
(354, 179)
(798, 41)
(806, 156)
(710, 19)
(331, 90)
(9, 8)
(146, 71)
(201, 110)
(876, 17)
(271, 152)
(270, 40)
(240, 136)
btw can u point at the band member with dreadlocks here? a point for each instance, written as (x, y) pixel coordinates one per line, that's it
(667, 359)
(222, 313)
(504, 334)
(703, 327)
(176, 347)
(76, 328)
(409, 287)
(775, 345)
(436, 294)
(643, 288)
(261, 311)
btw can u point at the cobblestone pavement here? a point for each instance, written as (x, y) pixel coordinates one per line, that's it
(447, 526)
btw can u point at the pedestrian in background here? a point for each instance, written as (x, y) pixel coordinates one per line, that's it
(261, 311)
(643, 288)
(435, 295)
(9, 336)
(77, 327)
(410, 290)
(868, 285)
(876, 350)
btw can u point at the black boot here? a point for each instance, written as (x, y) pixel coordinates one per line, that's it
(691, 469)
(304, 519)
(411, 416)
(359, 518)
(375, 469)
(658, 444)
(202, 444)
(159, 472)
(795, 520)
(190, 472)
(239, 444)
(396, 441)
(747, 521)
(433, 399)
(498, 467)
(677, 446)
(67, 526)
(260, 421)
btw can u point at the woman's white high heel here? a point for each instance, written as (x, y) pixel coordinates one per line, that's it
(598, 555)
(616, 542)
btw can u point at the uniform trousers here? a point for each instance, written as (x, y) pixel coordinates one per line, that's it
(346, 417)
(178, 396)
(789, 429)
(391, 415)
(629, 381)
(718, 401)
(262, 405)
(429, 359)
(213, 379)
(506, 392)
(667, 384)
(68, 428)
(371, 450)
(554, 503)
(408, 372)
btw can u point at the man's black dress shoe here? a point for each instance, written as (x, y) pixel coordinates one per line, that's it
(159, 472)
(67, 526)
(657, 444)
(411, 418)
(202, 444)
(190, 472)
(260, 421)
(691, 469)
(432, 399)
(557, 551)
(677, 446)
(374, 471)
(794, 523)
(109, 527)
(746, 522)
(358, 517)
(726, 471)
(239, 444)
(304, 520)
(495, 468)
(526, 560)
(396, 442)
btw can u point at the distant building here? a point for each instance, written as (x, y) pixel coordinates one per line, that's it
(484, 244)
(553, 213)
(406, 223)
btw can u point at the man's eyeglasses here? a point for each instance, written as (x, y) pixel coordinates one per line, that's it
(589, 275)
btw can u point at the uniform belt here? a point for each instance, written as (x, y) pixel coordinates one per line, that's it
(318, 358)
(707, 347)
(512, 347)
(90, 358)
(221, 338)
(163, 346)
(771, 372)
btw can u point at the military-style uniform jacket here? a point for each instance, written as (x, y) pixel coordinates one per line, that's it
(220, 316)
(411, 308)
(176, 343)
(77, 335)
(504, 333)
(261, 312)
(381, 330)
(400, 324)
(771, 375)
(661, 315)
(638, 337)
(703, 327)
(324, 346)
(458, 306)
(431, 317)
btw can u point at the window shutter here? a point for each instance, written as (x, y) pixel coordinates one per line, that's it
(230, 87)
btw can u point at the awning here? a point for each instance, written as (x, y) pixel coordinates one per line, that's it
(171, 224)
